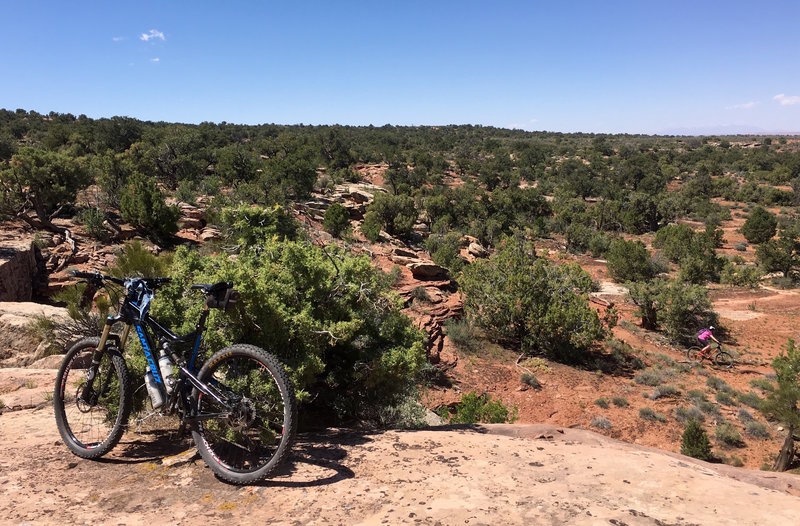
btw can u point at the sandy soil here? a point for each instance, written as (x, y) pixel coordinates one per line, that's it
(482, 475)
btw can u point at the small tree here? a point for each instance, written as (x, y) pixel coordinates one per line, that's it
(629, 261)
(695, 441)
(519, 298)
(336, 220)
(782, 403)
(680, 308)
(782, 254)
(143, 206)
(40, 180)
(397, 213)
(760, 226)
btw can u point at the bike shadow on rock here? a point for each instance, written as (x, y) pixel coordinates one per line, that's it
(150, 446)
(317, 459)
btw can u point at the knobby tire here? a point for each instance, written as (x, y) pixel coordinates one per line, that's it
(250, 443)
(90, 429)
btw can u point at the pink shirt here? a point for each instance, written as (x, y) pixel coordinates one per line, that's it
(704, 335)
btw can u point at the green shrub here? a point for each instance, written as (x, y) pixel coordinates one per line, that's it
(142, 205)
(684, 414)
(248, 226)
(750, 399)
(718, 384)
(444, 250)
(475, 408)
(337, 327)
(336, 220)
(92, 219)
(725, 398)
(519, 298)
(136, 260)
(462, 333)
(531, 380)
(629, 261)
(764, 384)
(675, 241)
(420, 293)
(186, 192)
(601, 402)
(680, 308)
(650, 377)
(740, 275)
(647, 413)
(664, 391)
(760, 226)
(371, 226)
(728, 435)
(694, 442)
(619, 401)
(601, 422)
(735, 461)
(757, 430)
(395, 213)
(745, 415)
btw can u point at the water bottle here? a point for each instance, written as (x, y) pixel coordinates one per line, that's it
(165, 366)
(152, 389)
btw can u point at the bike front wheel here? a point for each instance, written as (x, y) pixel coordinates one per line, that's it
(694, 355)
(723, 359)
(91, 420)
(247, 440)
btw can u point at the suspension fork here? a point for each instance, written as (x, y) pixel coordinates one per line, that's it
(97, 355)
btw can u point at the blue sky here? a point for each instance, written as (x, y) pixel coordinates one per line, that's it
(592, 66)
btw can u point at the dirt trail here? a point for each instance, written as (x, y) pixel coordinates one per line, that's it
(531, 474)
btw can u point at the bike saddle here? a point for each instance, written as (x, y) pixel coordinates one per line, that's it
(208, 288)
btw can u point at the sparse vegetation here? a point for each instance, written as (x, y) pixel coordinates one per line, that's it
(727, 435)
(647, 413)
(650, 377)
(601, 402)
(684, 414)
(620, 401)
(601, 422)
(757, 430)
(530, 379)
(664, 391)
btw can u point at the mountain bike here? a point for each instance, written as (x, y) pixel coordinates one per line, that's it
(239, 403)
(716, 355)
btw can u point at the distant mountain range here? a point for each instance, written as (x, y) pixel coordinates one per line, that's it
(729, 129)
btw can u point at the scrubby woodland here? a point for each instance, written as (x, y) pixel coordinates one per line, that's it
(549, 219)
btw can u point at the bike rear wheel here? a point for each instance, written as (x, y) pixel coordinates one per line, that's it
(91, 422)
(694, 355)
(251, 438)
(723, 359)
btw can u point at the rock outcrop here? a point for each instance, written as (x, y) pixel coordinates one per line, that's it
(18, 346)
(19, 269)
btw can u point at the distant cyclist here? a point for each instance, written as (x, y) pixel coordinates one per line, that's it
(704, 336)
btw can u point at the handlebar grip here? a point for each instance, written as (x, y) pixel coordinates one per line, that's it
(95, 276)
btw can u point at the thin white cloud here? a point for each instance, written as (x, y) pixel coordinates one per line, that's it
(787, 100)
(155, 60)
(526, 126)
(117, 39)
(154, 34)
(743, 106)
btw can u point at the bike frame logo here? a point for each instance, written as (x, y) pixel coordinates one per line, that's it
(149, 355)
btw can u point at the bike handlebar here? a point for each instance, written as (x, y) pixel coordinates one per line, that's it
(99, 278)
